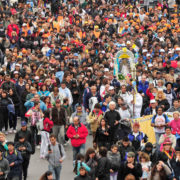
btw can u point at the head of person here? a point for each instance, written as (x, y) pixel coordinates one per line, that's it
(176, 103)
(148, 147)
(36, 98)
(176, 115)
(79, 109)
(102, 122)
(114, 148)
(153, 103)
(130, 177)
(46, 114)
(23, 125)
(111, 90)
(103, 151)
(52, 139)
(37, 105)
(130, 157)
(21, 138)
(63, 85)
(136, 127)
(143, 78)
(167, 146)
(90, 154)
(123, 89)
(160, 95)
(4, 94)
(159, 111)
(93, 89)
(76, 121)
(169, 85)
(144, 157)
(177, 149)
(7, 77)
(112, 105)
(125, 141)
(55, 90)
(168, 130)
(10, 146)
(2, 137)
(58, 103)
(11, 92)
(48, 175)
(33, 90)
(82, 171)
(97, 107)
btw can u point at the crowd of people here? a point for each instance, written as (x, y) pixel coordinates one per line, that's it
(57, 78)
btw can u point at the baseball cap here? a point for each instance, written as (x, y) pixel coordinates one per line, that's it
(111, 88)
(152, 101)
(23, 123)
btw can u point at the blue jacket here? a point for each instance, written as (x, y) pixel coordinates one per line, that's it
(60, 75)
(30, 104)
(143, 87)
(17, 159)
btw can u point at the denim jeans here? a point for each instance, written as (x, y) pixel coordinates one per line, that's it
(58, 131)
(56, 171)
(157, 135)
(77, 150)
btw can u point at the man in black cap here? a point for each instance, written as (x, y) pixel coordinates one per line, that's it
(25, 132)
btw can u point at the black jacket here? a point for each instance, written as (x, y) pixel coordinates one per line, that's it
(111, 117)
(165, 103)
(86, 177)
(24, 153)
(103, 169)
(16, 100)
(176, 168)
(4, 102)
(124, 170)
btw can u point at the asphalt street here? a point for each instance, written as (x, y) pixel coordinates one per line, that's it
(38, 166)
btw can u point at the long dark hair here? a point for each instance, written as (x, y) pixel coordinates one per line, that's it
(47, 114)
(78, 157)
(45, 175)
(162, 173)
(88, 152)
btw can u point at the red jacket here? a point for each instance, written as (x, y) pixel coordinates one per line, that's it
(82, 131)
(48, 124)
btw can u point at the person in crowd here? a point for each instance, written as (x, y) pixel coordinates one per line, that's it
(5, 102)
(80, 114)
(48, 175)
(102, 136)
(82, 174)
(159, 121)
(24, 147)
(43, 91)
(152, 110)
(13, 116)
(55, 156)
(91, 161)
(15, 162)
(47, 101)
(167, 136)
(175, 163)
(103, 165)
(143, 85)
(47, 124)
(95, 118)
(59, 118)
(175, 106)
(145, 162)
(124, 111)
(124, 147)
(77, 132)
(80, 162)
(130, 167)
(161, 100)
(124, 94)
(112, 118)
(35, 115)
(3, 144)
(25, 132)
(175, 126)
(4, 165)
(137, 138)
(160, 171)
(115, 161)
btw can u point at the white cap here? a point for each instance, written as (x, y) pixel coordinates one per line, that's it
(24, 24)
(103, 52)
(111, 88)
(148, 55)
(144, 51)
(160, 89)
(111, 15)
(128, 42)
(178, 49)
(150, 65)
(152, 101)
(36, 77)
(162, 50)
(18, 65)
(16, 72)
(170, 52)
(106, 70)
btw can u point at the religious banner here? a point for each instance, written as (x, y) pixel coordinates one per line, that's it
(145, 127)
